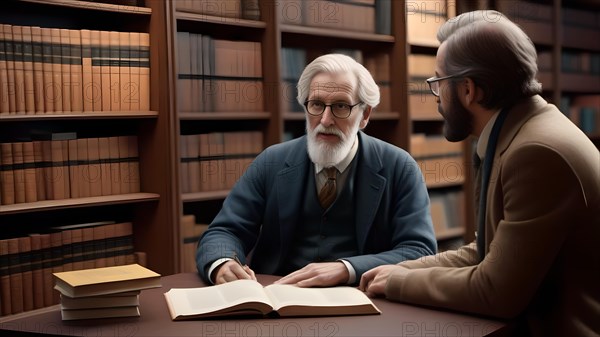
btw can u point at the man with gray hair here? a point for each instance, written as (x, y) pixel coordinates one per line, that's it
(536, 256)
(322, 209)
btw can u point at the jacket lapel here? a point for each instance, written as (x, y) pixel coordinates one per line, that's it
(290, 183)
(369, 188)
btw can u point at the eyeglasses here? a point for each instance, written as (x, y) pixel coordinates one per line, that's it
(434, 83)
(339, 109)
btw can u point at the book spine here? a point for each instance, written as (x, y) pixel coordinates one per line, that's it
(87, 71)
(104, 63)
(134, 71)
(115, 173)
(47, 169)
(36, 271)
(28, 75)
(5, 279)
(104, 154)
(29, 172)
(144, 51)
(47, 263)
(74, 169)
(99, 235)
(95, 174)
(19, 70)
(38, 69)
(7, 178)
(88, 248)
(57, 82)
(18, 172)
(84, 171)
(56, 252)
(77, 248)
(4, 104)
(134, 164)
(96, 90)
(76, 70)
(124, 71)
(124, 163)
(65, 52)
(10, 69)
(124, 243)
(39, 170)
(67, 249)
(26, 271)
(115, 84)
(16, 276)
(49, 90)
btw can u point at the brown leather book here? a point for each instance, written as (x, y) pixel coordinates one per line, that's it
(104, 155)
(74, 169)
(49, 90)
(144, 71)
(6, 306)
(36, 270)
(76, 68)
(65, 53)
(10, 69)
(18, 172)
(39, 170)
(19, 69)
(83, 171)
(96, 91)
(124, 172)
(7, 176)
(57, 69)
(27, 275)
(16, 276)
(87, 85)
(94, 170)
(28, 75)
(29, 171)
(38, 70)
(4, 93)
(134, 164)
(115, 171)
(124, 71)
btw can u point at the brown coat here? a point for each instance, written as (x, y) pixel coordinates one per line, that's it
(542, 234)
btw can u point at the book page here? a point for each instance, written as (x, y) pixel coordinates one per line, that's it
(289, 299)
(232, 296)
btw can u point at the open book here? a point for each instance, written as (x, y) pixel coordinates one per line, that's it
(247, 297)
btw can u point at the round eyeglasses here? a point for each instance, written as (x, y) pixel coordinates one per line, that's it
(339, 110)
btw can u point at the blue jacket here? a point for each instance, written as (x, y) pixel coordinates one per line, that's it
(392, 224)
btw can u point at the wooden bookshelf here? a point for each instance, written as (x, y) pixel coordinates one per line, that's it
(150, 210)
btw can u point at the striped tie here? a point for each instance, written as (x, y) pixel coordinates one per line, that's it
(328, 191)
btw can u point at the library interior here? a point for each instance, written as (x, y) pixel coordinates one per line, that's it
(124, 124)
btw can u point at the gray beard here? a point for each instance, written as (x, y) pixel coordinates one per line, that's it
(328, 155)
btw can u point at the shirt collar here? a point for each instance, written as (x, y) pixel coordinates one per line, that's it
(485, 136)
(343, 165)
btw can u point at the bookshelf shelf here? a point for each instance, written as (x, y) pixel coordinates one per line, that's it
(48, 205)
(95, 6)
(204, 196)
(224, 115)
(81, 116)
(199, 17)
(336, 33)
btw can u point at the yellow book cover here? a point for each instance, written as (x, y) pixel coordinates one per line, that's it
(107, 280)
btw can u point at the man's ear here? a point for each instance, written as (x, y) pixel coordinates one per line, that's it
(365, 117)
(469, 93)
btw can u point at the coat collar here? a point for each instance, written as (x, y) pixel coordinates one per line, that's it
(517, 116)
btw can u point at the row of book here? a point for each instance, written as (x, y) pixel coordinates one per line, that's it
(190, 232)
(294, 60)
(422, 105)
(29, 261)
(447, 212)
(571, 62)
(368, 16)
(105, 292)
(68, 168)
(216, 161)
(238, 9)
(584, 111)
(441, 162)
(56, 71)
(218, 75)
(528, 10)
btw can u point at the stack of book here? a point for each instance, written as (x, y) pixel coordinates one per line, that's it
(103, 292)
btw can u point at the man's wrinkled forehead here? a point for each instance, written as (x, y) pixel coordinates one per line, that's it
(328, 89)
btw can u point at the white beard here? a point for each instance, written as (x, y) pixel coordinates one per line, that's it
(325, 154)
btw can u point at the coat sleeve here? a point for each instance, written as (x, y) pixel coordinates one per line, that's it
(538, 213)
